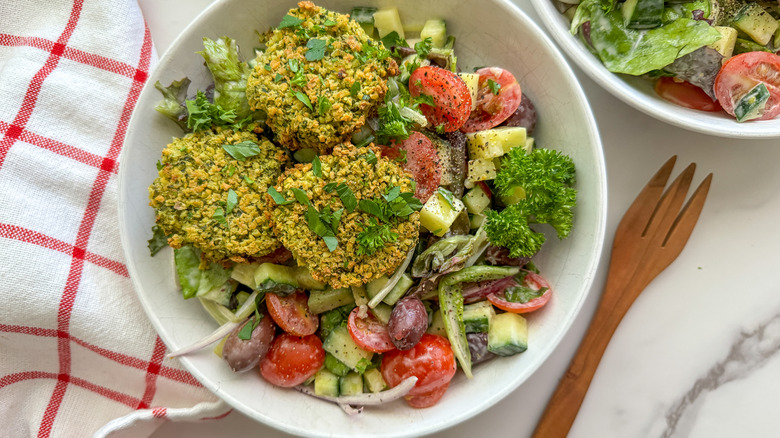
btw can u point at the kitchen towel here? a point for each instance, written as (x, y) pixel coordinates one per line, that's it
(78, 356)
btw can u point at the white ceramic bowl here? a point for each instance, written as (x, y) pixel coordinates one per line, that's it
(639, 93)
(494, 32)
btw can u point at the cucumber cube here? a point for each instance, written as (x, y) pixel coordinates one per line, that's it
(326, 383)
(245, 274)
(756, 22)
(508, 334)
(495, 142)
(388, 20)
(374, 380)
(476, 220)
(395, 294)
(437, 215)
(340, 344)
(477, 316)
(351, 384)
(437, 325)
(472, 82)
(725, 45)
(382, 312)
(476, 200)
(321, 301)
(436, 30)
(480, 169)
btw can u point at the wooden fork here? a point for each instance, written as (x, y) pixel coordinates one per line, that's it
(649, 238)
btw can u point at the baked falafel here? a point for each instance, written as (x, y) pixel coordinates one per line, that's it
(368, 176)
(206, 197)
(318, 80)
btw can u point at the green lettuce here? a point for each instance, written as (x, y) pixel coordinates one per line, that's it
(637, 52)
(229, 74)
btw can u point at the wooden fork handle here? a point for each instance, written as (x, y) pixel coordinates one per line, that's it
(562, 408)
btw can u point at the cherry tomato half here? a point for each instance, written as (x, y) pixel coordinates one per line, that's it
(292, 313)
(685, 94)
(422, 161)
(368, 332)
(431, 360)
(291, 360)
(533, 281)
(494, 104)
(450, 95)
(743, 72)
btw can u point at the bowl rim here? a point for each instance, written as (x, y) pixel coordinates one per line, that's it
(689, 119)
(588, 273)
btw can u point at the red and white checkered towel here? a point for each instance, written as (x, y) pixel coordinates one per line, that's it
(78, 356)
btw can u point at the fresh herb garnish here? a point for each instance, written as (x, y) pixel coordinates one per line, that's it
(158, 241)
(232, 200)
(424, 99)
(248, 180)
(494, 86)
(316, 167)
(303, 98)
(289, 21)
(242, 151)
(329, 22)
(449, 198)
(347, 197)
(159, 165)
(219, 216)
(423, 48)
(300, 196)
(329, 187)
(374, 237)
(245, 333)
(522, 294)
(394, 40)
(267, 67)
(293, 65)
(278, 78)
(370, 157)
(203, 114)
(324, 224)
(355, 89)
(401, 158)
(323, 105)
(277, 197)
(316, 50)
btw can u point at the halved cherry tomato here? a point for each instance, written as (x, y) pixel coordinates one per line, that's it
(450, 95)
(533, 281)
(291, 360)
(428, 399)
(422, 161)
(368, 332)
(493, 106)
(431, 361)
(743, 72)
(685, 94)
(292, 313)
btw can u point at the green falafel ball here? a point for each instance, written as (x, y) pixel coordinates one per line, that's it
(320, 80)
(211, 193)
(368, 176)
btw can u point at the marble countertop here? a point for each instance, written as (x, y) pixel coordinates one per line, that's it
(697, 354)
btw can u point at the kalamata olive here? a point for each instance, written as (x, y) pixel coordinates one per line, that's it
(524, 116)
(243, 355)
(478, 347)
(408, 323)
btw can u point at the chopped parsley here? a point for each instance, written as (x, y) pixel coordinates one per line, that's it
(522, 294)
(316, 167)
(242, 151)
(329, 22)
(303, 98)
(219, 216)
(277, 197)
(494, 86)
(355, 89)
(316, 48)
(394, 40)
(245, 333)
(204, 114)
(159, 165)
(423, 48)
(347, 197)
(267, 67)
(289, 21)
(278, 78)
(323, 105)
(324, 224)
(374, 237)
(370, 157)
(232, 200)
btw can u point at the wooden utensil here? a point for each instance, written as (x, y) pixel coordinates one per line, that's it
(650, 236)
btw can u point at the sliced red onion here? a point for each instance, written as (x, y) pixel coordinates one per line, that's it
(347, 402)
(474, 292)
(392, 281)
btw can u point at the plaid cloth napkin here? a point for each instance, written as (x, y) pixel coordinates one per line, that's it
(78, 357)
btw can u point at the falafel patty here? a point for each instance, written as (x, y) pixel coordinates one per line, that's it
(206, 198)
(368, 176)
(319, 80)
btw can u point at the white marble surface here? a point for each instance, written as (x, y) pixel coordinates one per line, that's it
(696, 356)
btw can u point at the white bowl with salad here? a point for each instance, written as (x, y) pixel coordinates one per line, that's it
(710, 66)
(399, 219)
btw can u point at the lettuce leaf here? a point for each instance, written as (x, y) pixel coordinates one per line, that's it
(229, 74)
(172, 105)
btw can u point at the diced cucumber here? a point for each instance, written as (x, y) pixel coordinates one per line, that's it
(643, 14)
(374, 286)
(364, 16)
(508, 334)
(340, 344)
(725, 45)
(476, 200)
(476, 220)
(326, 383)
(220, 346)
(382, 312)
(335, 366)
(220, 295)
(374, 380)
(481, 169)
(776, 41)
(507, 137)
(477, 316)
(436, 30)
(752, 105)
(399, 290)
(472, 82)
(437, 215)
(268, 274)
(305, 280)
(437, 325)
(756, 22)
(351, 384)
(388, 20)
(244, 273)
(321, 301)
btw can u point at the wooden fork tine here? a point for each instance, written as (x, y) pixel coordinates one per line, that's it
(668, 207)
(683, 226)
(643, 206)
